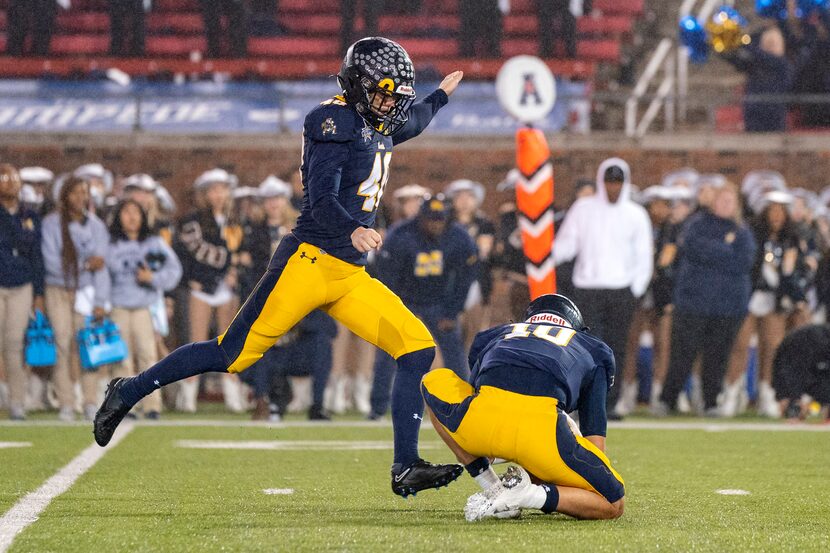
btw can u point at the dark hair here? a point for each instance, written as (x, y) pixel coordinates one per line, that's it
(117, 231)
(763, 229)
(69, 254)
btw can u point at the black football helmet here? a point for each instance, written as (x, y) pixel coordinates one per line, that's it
(557, 305)
(374, 69)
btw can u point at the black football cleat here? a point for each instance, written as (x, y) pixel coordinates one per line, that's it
(316, 413)
(111, 412)
(422, 475)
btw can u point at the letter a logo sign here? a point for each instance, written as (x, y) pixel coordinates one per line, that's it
(529, 90)
(526, 89)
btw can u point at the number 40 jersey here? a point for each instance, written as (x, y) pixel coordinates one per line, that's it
(345, 169)
(531, 359)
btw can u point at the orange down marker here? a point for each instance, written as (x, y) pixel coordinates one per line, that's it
(534, 200)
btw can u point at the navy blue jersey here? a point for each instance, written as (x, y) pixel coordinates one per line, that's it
(21, 260)
(574, 367)
(345, 169)
(428, 272)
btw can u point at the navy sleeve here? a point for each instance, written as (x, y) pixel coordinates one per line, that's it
(466, 272)
(715, 251)
(742, 59)
(593, 420)
(325, 167)
(480, 343)
(420, 115)
(38, 270)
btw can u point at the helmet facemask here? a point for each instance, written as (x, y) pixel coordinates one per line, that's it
(386, 111)
(376, 78)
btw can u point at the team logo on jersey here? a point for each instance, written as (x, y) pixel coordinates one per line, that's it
(548, 318)
(367, 133)
(429, 264)
(28, 224)
(329, 127)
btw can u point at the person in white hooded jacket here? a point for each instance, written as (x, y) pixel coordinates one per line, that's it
(610, 237)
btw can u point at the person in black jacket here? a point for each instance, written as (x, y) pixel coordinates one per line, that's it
(802, 366)
(236, 12)
(655, 307)
(481, 23)
(778, 291)
(769, 72)
(431, 263)
(35, 17)
(467, 197)
(559, 11)
(21, 283)
(711, 293)
(127, 28)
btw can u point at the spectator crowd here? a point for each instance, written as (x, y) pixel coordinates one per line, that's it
(713, 276)
(229, 23)
(784, 58)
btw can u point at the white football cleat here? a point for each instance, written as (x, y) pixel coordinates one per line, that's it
(504, 500)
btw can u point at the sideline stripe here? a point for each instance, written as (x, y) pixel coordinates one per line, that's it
(732, 492)
(8, 445)
(28, 509)
(706, 425)
(278, 491)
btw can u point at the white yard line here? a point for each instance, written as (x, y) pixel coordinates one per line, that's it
(9, 445)
(28, 509)
(732, 492)
(278, 491)
(709, 426)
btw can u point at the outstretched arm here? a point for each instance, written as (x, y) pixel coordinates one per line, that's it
(422, 113)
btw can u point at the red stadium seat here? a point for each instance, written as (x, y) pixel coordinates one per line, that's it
(311, 24)
(288, 68)
(598, 50)
(416, 24)
(317, 7)
(84, 22)
(528, 25)
(175, 23)
(79, 44)
(628, 7)
(421, 48)
(605, 25)
(88, 5)
(176, 5)
(292, 47)
(729, 119)
(175, 29)
(175, 46)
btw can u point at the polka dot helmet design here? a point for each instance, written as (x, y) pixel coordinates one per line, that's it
(376, 68)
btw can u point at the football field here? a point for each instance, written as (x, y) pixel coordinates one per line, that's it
(229, 485)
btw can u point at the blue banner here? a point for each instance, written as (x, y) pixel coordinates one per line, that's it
(233, 108)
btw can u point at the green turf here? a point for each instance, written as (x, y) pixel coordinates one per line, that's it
(23, 469)
(147, 495)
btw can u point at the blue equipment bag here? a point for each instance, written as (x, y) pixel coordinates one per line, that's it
(100, 343)
(40, 342)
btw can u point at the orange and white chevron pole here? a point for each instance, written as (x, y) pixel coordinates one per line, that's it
(526, 89)
(534, 200)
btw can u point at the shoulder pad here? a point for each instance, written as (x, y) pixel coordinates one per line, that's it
(332, 121)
